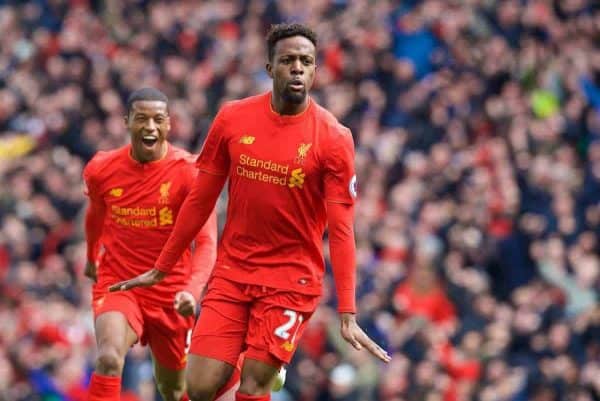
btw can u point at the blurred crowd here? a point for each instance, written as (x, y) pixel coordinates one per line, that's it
(477, 131)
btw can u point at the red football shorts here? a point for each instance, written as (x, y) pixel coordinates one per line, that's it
(265, 322)
(166, 332)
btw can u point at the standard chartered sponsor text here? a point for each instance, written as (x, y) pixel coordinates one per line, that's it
(133, 211)
(142, 217)
(142, 223)
(268, 166)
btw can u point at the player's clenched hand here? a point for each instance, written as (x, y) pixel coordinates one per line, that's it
(185, 303)
(90, 271)
(147, 279)
(353, 334)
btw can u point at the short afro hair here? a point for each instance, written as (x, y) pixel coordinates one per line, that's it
(283, 31)
(145, 94)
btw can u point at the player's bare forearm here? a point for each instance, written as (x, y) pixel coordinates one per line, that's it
(146, 279)
(355, 336)
(192, 216)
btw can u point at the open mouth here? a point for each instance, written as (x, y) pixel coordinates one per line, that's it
(296, 85)
(149, 140)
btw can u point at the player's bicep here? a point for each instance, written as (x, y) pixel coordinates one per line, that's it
(214, 156)
(92, 191)
(339, 176)
(96, 207)
(91, 181)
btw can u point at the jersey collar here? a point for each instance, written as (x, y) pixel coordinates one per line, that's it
(147, 165)
(287, 119)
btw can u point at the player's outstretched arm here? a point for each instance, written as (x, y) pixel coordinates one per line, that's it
(146, 279)
(204, 256)
(343, 259)
(192, 216)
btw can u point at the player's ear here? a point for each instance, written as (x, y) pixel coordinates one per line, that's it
(126, 120)
(269, 68)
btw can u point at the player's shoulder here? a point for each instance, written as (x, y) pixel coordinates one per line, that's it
(181, 155)
(107, 156)
(243, 106)
(182, 166)
(105, 160)
(330, 124)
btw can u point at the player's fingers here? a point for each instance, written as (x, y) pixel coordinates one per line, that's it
(190, 306)
(351, 338)
(374, 348)
(90, 273)
(185, 310)
(380, 354)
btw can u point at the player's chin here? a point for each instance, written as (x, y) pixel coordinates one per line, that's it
(295, 97)
(149, 151)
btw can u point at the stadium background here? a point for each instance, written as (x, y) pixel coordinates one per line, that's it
(477, 130)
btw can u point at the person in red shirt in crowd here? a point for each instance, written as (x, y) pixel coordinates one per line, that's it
(135, 195)
(421, 295)
(290, 166)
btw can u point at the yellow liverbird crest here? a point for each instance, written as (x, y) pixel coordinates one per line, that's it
(302, 152)
(164, 192)
(303, 149)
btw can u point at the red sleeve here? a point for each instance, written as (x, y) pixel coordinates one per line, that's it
(339, 179)
(343, 254)
(214, 157)
(94, 217)
(203, 256)
(192, 216)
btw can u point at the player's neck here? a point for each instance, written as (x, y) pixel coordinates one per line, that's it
(281, 107)
(140, 158)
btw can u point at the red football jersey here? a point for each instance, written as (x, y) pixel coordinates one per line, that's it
(141, 202)
(282, 171)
